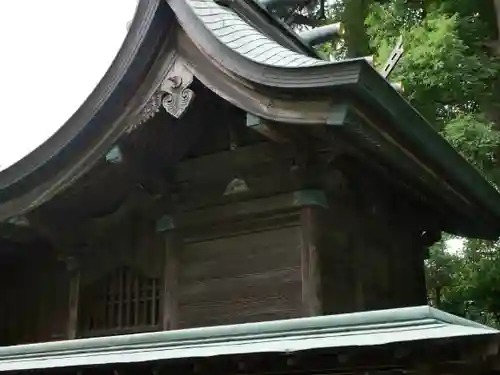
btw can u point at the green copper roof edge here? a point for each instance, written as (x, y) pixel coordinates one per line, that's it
(453, 319)
(422, 134)
(339, 112)
(303, 327)
(310, 197)
(117, 343)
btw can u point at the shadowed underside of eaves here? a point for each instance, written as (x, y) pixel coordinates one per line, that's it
(241, 53)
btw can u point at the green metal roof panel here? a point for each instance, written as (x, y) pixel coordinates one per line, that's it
(285, 336)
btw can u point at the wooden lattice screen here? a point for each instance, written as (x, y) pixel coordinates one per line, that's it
(121, 302)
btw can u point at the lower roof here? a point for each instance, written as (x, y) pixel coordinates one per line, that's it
(363, 329)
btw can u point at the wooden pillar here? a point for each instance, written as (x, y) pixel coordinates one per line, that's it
(358, 279)
(169, 308)
(74, 296)
(417, 258)
(312, 202)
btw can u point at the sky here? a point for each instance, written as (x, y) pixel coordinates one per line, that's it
(455, 245)
(53, 54)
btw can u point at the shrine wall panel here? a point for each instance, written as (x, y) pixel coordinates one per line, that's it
(242, 278)
(367, 262)
(34, 297)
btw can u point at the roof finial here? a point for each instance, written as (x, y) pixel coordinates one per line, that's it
(393, 59)
(322, 34)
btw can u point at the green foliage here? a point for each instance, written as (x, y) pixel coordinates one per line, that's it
(477, 140)
(442, 74)
(466, 284)
(453, 78)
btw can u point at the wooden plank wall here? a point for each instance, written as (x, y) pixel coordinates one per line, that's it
(34, 294)
(367, 264)
(244, 278)
(261, 272)
(237, 278)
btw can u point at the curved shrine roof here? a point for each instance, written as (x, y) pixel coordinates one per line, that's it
(246, 56)
(240, 36)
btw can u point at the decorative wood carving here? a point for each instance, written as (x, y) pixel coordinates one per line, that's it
(236, 186)
(151, 108)
(174, 95)
(19, 220)
(178, 95)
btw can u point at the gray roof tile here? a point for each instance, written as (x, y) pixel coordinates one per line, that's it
(246, 40)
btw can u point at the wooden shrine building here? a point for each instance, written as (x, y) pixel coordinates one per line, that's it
(228, 201)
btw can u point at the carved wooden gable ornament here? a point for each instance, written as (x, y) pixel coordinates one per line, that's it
(173, 95)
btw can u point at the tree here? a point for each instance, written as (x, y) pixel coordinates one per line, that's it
(451, 74)
(441, 270)
(466, 284)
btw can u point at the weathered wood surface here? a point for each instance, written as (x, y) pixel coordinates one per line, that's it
(369, 260)
(34, 304)
(170, 280)
(310, 259)
(248, 277)
(246, 210)
(73, 298)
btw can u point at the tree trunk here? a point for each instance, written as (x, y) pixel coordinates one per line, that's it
(354, 15)
(437, 296)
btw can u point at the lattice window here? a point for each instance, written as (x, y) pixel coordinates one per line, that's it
(119, 303)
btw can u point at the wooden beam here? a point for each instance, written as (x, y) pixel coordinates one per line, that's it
(73, 297)
(243, 157)
(311, 278)
(251, 208)
(267, 129)
(312, 203)
(169, 298)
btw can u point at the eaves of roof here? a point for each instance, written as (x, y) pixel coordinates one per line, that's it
(250, 54)
(366, 329)
(241, 39)
(33, 179)
(38, 176)
(444, 161)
